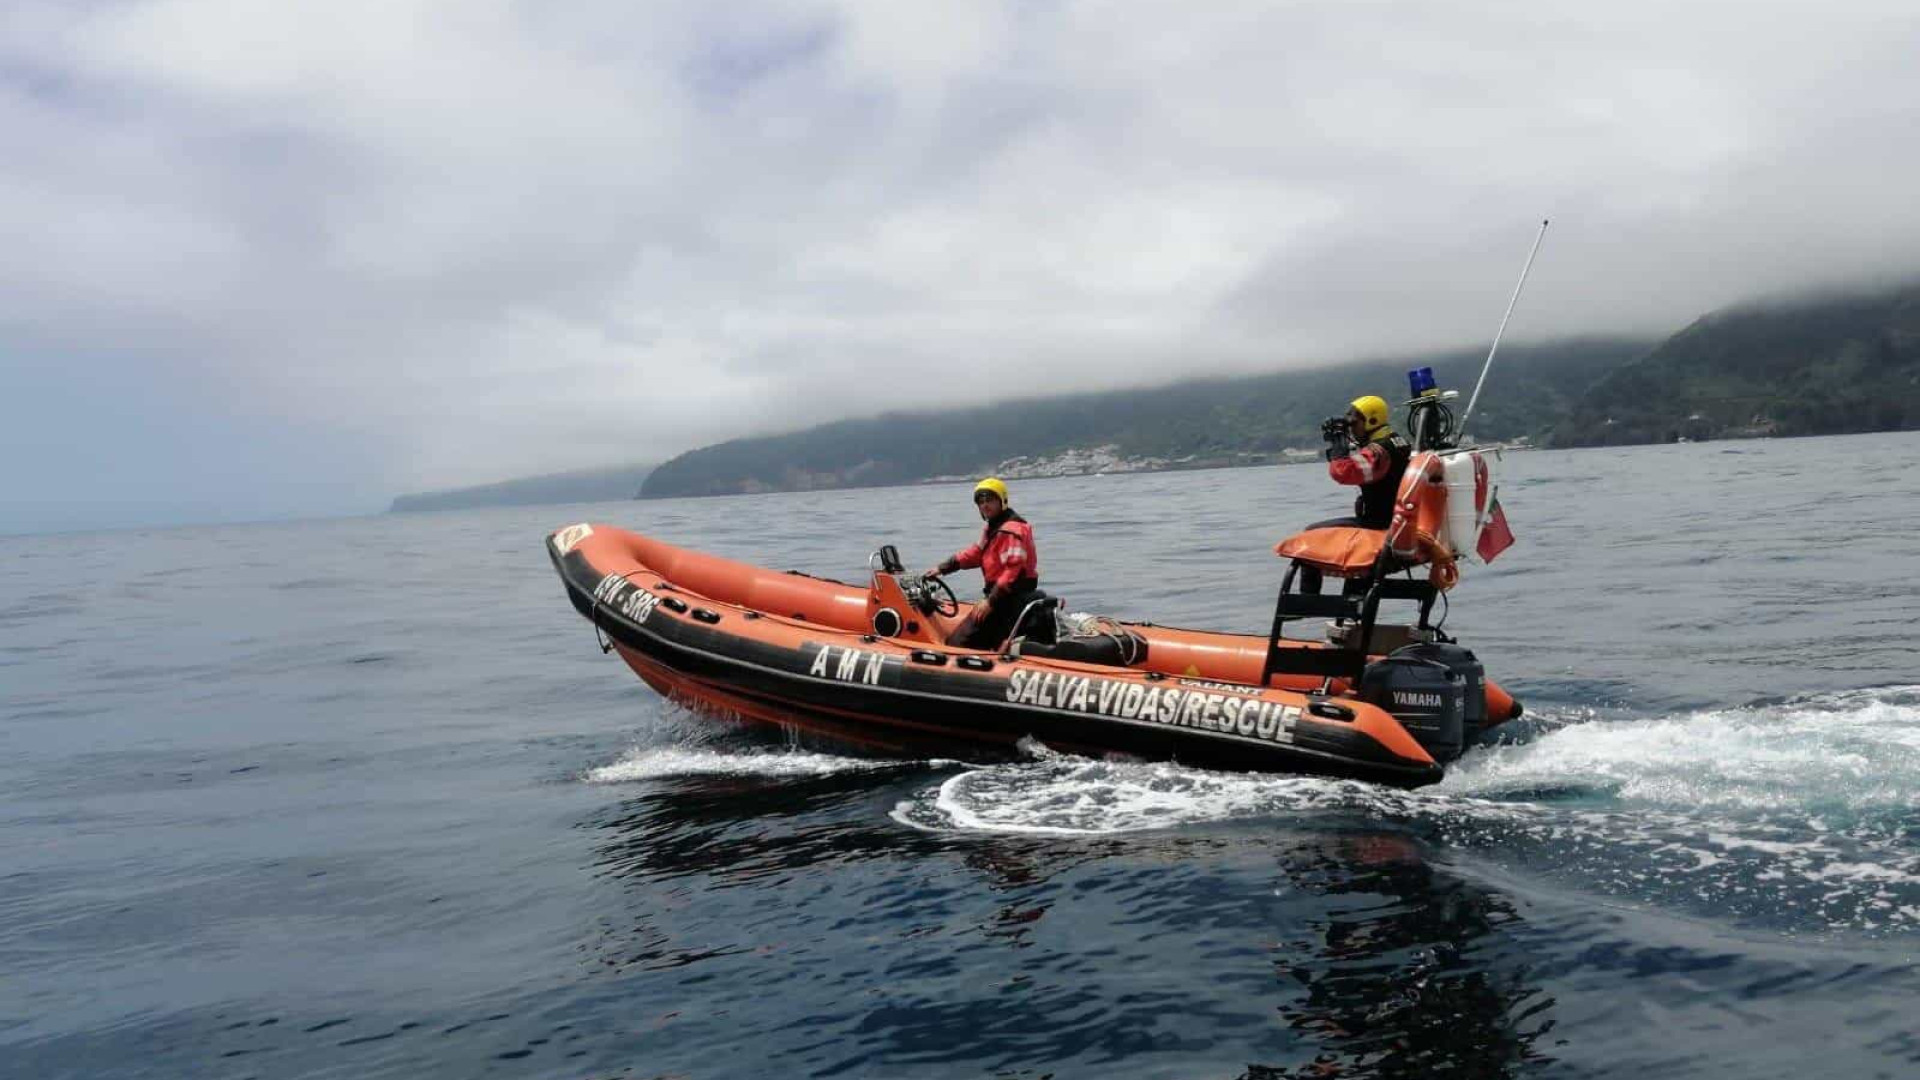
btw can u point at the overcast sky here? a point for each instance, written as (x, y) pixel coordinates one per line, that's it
(295, 257)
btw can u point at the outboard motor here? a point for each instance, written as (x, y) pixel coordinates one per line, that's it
(1425, 694)
(1461, 661)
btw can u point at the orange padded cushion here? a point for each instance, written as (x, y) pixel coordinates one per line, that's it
(1340, 550)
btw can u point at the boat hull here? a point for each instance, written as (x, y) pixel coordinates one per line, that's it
(797, 670)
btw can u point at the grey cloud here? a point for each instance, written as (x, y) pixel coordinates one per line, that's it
(486, 239)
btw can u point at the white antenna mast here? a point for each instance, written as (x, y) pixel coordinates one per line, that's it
(1488, 366)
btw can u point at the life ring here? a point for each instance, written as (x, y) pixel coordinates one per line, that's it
(1420, 520)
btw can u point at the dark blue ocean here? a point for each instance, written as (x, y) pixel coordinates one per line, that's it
(361, 798)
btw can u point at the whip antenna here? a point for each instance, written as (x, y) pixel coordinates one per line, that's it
(1488, 366)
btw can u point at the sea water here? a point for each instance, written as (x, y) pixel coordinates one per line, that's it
(363, 798)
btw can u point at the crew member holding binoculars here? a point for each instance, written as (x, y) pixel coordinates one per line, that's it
(1364, 451)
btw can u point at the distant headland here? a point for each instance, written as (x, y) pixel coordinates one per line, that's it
(1811, 366)
(584, 485)
(1820, 365)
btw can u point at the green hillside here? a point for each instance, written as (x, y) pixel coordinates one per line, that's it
(1212, 421)
(1814, 366)
(1810, 367)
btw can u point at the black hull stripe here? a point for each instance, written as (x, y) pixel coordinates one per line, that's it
(944, 698)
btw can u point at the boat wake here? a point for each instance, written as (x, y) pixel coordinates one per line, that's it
(1794, 814)
(1064, 795)
(657, 762)
(1838, 760)
(685, 743)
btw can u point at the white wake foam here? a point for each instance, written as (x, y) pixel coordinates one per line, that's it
(653, 763)
(1063, 795)
(1847, 758)
(1797, 813)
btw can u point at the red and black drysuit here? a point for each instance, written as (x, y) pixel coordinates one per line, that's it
(1376, 469)
(1010, 565)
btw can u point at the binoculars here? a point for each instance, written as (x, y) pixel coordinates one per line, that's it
(1334, 429)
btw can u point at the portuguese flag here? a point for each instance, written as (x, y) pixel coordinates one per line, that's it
(1495, 536)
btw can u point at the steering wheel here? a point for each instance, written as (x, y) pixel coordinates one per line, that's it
(934, 597)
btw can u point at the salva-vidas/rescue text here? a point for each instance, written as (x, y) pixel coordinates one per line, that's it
(1226, 713)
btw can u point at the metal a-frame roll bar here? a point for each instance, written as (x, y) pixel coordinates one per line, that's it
(1358, 602)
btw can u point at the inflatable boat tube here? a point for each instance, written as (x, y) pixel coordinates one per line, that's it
(786, 648)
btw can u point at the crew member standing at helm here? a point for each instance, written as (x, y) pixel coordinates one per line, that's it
(1007, 560)
(1363, 451)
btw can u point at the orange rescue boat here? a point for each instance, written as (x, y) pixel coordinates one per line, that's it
(867, 667)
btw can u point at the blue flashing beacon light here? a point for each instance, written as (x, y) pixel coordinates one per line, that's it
(1420, 380)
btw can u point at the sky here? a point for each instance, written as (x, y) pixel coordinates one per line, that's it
(284, 258)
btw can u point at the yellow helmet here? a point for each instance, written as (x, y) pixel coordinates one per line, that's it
(1372, 412)
(992, 485)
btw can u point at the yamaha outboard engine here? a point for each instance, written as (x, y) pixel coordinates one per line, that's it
(1461, 661)
(1436, 691)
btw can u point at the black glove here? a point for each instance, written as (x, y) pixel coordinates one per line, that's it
(1338, 436)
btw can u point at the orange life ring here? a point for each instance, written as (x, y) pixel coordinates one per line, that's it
(1420, 519)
